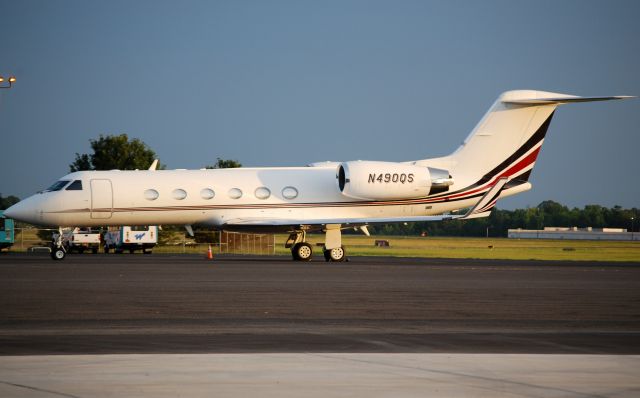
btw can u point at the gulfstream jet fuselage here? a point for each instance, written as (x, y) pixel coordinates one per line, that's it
(493, 162)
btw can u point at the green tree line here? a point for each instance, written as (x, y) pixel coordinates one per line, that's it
(546, 214)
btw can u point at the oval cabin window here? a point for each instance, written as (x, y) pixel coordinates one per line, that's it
(262, 193)
(235, 193)
(289, 192)
(179, 194)
(151, 194)
(207, 193)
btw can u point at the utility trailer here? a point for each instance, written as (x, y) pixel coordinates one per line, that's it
(7, 232)
(131, 238)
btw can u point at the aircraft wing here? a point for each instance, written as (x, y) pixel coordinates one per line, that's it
(282, 222)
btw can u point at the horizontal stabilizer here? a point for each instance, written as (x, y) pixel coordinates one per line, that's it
(561, 100)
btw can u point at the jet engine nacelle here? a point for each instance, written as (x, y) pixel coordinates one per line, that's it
(388, 180)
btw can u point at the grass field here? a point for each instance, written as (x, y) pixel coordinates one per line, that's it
(485, 248)
(482, 248)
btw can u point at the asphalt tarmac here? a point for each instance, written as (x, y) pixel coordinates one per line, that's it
(164, 304)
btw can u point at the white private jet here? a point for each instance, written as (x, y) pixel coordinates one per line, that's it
(493, 162)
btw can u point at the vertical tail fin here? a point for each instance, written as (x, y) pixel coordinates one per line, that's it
(507, 140)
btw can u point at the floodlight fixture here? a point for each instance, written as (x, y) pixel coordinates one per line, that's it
(7, 82)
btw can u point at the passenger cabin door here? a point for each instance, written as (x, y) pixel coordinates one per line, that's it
(101, 199)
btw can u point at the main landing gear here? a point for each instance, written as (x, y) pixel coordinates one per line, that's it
(303, 251)
(336, 254)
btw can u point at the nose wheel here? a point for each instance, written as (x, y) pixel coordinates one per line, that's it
(58, 252)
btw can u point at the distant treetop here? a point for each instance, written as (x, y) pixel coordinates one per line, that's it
(225, 164)
(115, 152)
(6, 202)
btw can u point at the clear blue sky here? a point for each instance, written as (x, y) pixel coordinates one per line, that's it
(279, 83)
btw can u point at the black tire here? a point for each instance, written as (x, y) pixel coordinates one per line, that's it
(302, 251)
(80, 250)
(327, 255)
(336, 255)
(131, 251)
(94, 250)
(58, 253)
(106, 248)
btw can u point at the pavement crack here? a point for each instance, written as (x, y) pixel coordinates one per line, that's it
(463, 375)
(60, 394)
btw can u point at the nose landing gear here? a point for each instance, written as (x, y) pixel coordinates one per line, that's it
(58, 251)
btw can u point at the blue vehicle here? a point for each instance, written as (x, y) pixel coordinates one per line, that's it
(7, 233)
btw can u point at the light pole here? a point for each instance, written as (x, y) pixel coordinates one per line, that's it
(7, 83)
(632, 218)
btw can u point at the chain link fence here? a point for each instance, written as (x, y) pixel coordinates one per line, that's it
(32, 239)
(39, 239)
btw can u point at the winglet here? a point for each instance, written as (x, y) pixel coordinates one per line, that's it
(154, 164)
(485, 205)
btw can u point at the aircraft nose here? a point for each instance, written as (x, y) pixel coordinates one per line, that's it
(12, 212)
(22, 211)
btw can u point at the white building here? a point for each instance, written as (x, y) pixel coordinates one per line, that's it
(574, 233)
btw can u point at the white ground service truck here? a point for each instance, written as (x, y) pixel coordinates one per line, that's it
(80, 239)
(131, 238)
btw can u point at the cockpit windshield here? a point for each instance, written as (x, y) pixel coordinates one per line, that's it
(75, 186)
(58, 185)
